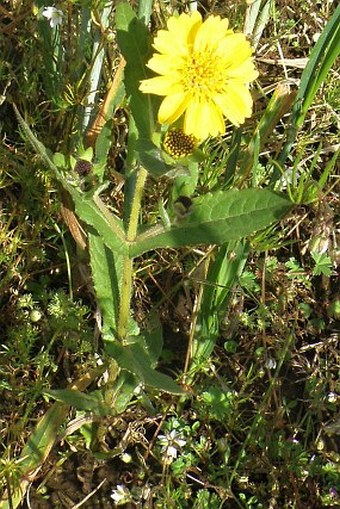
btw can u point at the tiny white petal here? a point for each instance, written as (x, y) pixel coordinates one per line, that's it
(331, 397)
(271, 363)
(171, 452)
(54, 15)
(163, 439)
(120, 495)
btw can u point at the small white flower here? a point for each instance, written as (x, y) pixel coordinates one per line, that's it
(271, 363)
(54, 15)
(170, 443)
(331, 397)
(121, 495)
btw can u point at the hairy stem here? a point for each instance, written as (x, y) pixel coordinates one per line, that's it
(127, 282)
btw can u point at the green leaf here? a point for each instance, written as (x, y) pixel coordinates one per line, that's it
(145, 10)
(279, 104)
(122, 391)
(93, 402)
(153, 338)
(323, 264)
(94, 71)
(107, 275)
(257, 16)
(134, 42)
(59, 160)
(42, 439)
(219, 402)
(36, 144)
(86, 154)
(151, 158)
(104, 141)
(135, 359)
(216, 218)
(185, 185)
(225, 269)
(90, 209)
(94, 212)
(105, 137)
(36, 450)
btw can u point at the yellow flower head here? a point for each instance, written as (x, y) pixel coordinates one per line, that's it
(204, 73)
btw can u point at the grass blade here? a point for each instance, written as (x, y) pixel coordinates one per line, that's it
(321, 60)
(222, 275)
(98, 54)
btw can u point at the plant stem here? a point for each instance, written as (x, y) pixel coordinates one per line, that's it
(127, 281)
(124, 311)
(136, 204)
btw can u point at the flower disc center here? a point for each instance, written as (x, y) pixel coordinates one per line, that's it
(202, 75)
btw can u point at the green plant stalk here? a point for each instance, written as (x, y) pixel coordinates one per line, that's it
(280, 102)
(131, 235)
(124, 311)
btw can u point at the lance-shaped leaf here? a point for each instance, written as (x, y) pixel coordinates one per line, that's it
(35, 453)
(280, 102)
(41, 441)
(107, 276)
(216, 218)
(134, 42)
(136, 359)
(225, 267)
(93, 402)
(89, 209)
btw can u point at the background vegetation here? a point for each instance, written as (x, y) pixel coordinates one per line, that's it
(258, 426)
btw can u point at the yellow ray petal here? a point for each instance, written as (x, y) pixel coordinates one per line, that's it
(160, 85)
(180, 34)
(164, 64)
(166, 43)
(210, 33)
(234, 49)
(203, 119)
(245, 72)
(184, 22)
(235, 103)
(172, 107)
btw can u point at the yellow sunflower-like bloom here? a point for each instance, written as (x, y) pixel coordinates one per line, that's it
(204, 69)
